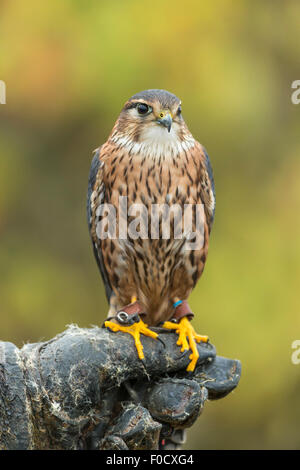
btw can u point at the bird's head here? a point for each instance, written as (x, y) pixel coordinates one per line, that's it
(151, 123)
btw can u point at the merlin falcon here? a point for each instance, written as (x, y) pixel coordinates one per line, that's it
(151, 161)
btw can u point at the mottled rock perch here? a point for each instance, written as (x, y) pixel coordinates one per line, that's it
(87, 389)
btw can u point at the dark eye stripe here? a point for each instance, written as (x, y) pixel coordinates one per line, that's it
(131, 105)
(142, 108)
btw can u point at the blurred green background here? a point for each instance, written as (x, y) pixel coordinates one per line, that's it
(69, 67)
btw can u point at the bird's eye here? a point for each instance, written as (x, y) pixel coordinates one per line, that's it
(143, 108)
(179, 110)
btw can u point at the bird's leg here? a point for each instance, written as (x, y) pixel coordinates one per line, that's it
(187, 336)
(113, 306)
(128, 321)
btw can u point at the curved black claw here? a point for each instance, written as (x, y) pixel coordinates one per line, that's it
(161, 341)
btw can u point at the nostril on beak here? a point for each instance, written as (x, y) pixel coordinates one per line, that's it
(166, 120)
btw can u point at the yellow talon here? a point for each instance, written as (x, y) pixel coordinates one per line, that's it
(135, 330)
(186, 331)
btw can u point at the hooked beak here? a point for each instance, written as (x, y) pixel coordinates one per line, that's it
(166, 120)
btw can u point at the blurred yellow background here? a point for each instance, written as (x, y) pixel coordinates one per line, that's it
(69, 67)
